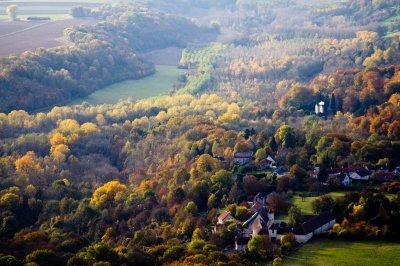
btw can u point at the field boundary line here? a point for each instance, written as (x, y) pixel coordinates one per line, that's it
(27, 29)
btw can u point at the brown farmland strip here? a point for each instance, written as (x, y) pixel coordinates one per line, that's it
(44, 35)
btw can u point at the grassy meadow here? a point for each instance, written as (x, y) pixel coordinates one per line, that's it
(155, 85)
(305, 205)
(329, 252)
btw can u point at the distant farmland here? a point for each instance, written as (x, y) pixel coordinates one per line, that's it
(43, 7)
(19, 36)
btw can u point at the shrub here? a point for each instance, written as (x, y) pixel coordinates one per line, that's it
(9, 260)
(41, 256)
(71, 245)
(173, 253)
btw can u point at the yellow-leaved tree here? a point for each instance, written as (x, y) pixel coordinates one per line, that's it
(108, 193)
(28, 168)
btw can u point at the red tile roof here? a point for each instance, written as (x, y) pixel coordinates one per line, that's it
(223, 215)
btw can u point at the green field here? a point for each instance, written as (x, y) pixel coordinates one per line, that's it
(155, 85)
(328, 252)
(305, 204)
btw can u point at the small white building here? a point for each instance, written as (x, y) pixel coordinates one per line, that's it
(319, 107)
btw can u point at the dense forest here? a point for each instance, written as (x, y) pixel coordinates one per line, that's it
(145, 182)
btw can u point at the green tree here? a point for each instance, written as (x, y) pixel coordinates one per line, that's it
(277, 262)
(258, 246)
(40, 256)
(206, 163)
(273, 145)
(222, 179)
(299, 97)
(173, 253)
(297, 172)
(243, 213)
(199, 194)
(323, 204)
(212, 201)
(286, 136)
(103, 252)
(260, 154)
(295, 218)
(198, 234)
(191, 208)
(288, 241)
(332, 105)
(9, 260)
(181, 175)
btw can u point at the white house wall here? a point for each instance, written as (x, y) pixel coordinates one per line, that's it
(299, 238)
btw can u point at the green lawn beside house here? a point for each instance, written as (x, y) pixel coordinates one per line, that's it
(329, 252)
(305, 203)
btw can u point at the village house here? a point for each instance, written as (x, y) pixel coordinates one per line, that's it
(363, 175)
(263, 222)
(225, 216)
(313, 225)
(347, 175)
(258, 223)
(267, 163)
(243, 157)
(218, 228)
(259, 202)
(221, 220)
(344, 179)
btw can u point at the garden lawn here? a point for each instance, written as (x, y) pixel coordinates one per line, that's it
(306, 207)
(329, 252)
